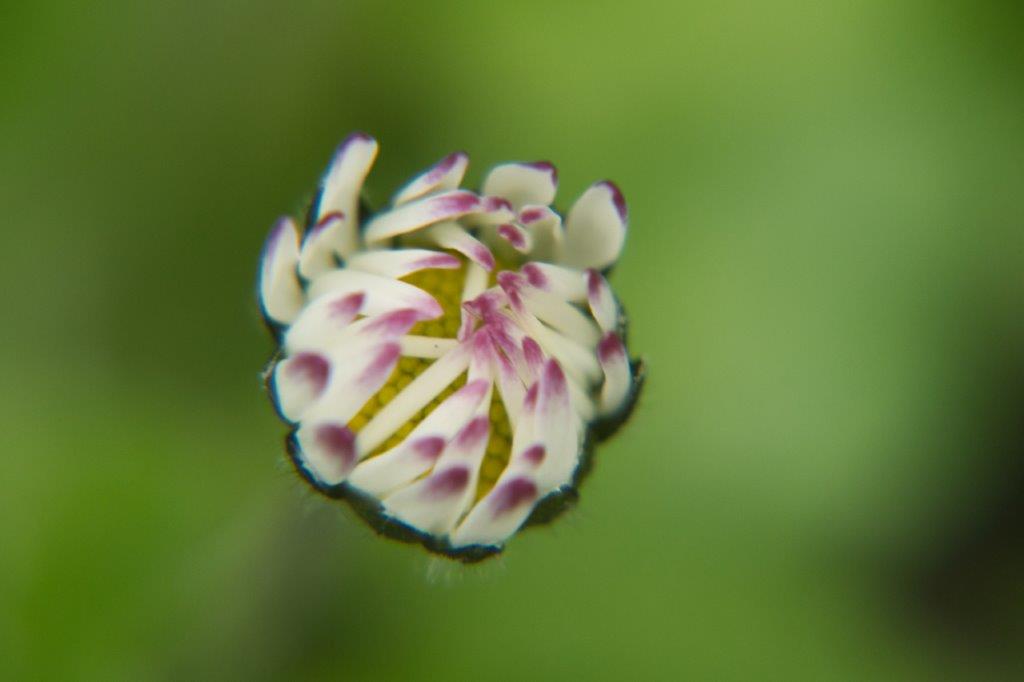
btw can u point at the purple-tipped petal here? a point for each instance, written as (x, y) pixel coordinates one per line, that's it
(395, 323)
(360, 370)
(341, 185)
(472, 435)
(499, 514)
(562, 316)
(618, 378)
(568, 283)
(446, 174)
(327, 325)
(324, 322)
(452, 236)
(435, 503)
(328, 449)
(512, 495)
(318, 253)
(557, 428)
(429, 447)
(534, 454)
(446, 483)
(280, 293)
(595, 230)
(545, 450)
(530, 399)
(383, 294)
(344, 310)
(534, 356)
(554, 379)
(380, 368)
(519, 238)
(545, 226)
(531, 215)
(420, 213)
(536, 277)
(577, 358)
(298, 381)
(396, 263)
(523, 183)
(422, 448)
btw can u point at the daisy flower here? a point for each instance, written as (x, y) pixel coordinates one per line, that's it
(447, 363)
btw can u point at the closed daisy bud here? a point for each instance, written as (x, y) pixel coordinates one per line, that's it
(447, 363)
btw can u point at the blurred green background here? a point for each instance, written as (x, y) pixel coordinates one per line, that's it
(825, 272)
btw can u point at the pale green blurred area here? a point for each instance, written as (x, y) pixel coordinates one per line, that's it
(825, 273)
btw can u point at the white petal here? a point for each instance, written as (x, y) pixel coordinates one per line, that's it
(577, 360)
(524, 434)
(534, 470)
(435, 503)
(530, 360)
(545, 226)
(474, 285)
(323, 322)
(533, 357)
(357, 375)
(340, 187)
(396, 263)
(491, 211)
(421, 448)
(318, 247)
(481, 354)
(550, 424)
(581, 402)
(596, 228)
(383, 294)
(568, 283)
(327, 449)
(445, 174)
(453, 236)
(420, 213)
(516, 236)
(553, 310)
(426, 346)
(414, 397)
(280, 293)
(602, 302)
(556, 428)
(399, 466)
(333, 378)
(499, 514)
(523, 183)
(298, 381)
(617, 373)
(326, 325)
(511, 389)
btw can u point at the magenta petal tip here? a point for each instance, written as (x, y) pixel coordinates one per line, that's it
(446, 483)
(512, 494)
(617, 199)
(611, 348)
(429, 447)
(337, 442)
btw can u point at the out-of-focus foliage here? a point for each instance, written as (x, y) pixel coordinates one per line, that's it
(825, 272)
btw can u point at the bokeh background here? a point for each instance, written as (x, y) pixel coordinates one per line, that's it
(825, 273)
